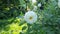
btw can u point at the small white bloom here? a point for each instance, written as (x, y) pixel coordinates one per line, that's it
(35, 8)
(59, 4)
(34, 1)
(30, 17)
(39, 5)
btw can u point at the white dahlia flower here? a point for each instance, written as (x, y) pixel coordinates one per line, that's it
(30, 17)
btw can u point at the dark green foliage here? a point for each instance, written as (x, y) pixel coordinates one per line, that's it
(10, 8)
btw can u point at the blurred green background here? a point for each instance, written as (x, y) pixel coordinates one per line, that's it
(12, 21)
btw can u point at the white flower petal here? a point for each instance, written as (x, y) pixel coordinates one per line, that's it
(34, 1)
(39, 5)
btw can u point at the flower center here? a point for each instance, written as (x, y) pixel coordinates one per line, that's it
(30, 18)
